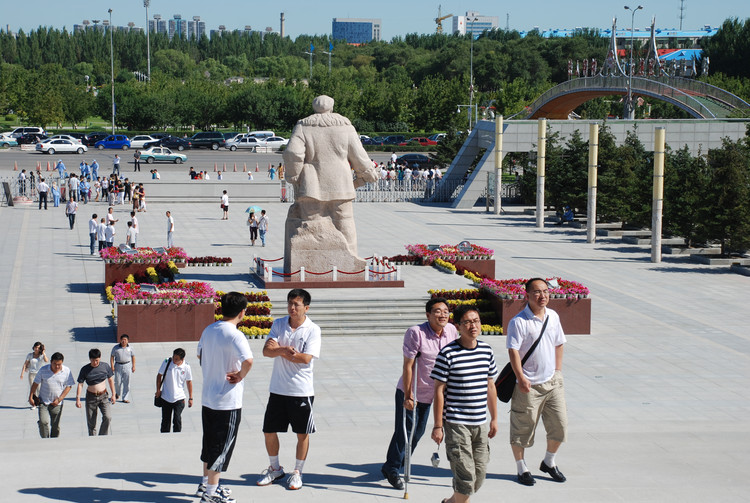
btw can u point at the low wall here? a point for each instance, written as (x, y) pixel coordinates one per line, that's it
(163, 322)
(575, 314)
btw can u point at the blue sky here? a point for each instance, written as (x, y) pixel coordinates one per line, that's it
(398, 17)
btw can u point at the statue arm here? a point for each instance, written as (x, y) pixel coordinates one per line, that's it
(294, 157)
(360, 161)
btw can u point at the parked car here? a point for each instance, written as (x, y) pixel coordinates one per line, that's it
(173, 142)
(394, 139)
(275, 142)
(114, 141)
(59, 146)
(29, 138)
(232, 135)
(7, 141)
(208, 139)
(65, 137)
(437, 137)
(139, 141)
(377, 140)
(419, 140)
(92, 138)
(153, 154)
(413, 159)
(20, 131)
(261, 134)
(248, 142)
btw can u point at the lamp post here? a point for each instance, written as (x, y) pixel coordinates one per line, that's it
(329, 52)
(471, 68)
(629, 112)
(112, 68)
(146, 4)
(310, 53)
(468, 110)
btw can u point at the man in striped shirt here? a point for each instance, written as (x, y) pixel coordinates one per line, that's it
(464, 375)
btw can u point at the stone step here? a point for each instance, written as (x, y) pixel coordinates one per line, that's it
(683, 250)
(707, 259)
(637, 240)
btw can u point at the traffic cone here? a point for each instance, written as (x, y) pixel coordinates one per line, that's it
(256, 167)
(215, 170)
(244, 168)
(225, 167)
(48, 169)
(235, 167)
(15, 166)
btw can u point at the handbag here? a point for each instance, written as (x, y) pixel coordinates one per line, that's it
(158, 400)
(506, 381)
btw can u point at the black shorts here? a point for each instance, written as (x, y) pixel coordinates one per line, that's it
(219, 436)
(282, 411)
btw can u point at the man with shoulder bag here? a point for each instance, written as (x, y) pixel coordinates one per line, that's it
(173, 374)
(536, 336)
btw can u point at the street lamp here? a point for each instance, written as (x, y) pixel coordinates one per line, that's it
(629, 111)
(146, 4)
(310, 53)
(329, 52)
(471, 68)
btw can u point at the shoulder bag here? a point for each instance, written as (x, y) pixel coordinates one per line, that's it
(158, 401)
(506, 381)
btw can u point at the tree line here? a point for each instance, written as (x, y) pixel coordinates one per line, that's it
(706, 196)
(412, 83)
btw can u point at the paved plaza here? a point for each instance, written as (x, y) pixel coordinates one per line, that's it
(658, 398)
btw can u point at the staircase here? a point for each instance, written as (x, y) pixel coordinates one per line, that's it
(390, 316)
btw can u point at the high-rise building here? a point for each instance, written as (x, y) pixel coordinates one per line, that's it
(356, 31)
(177, 27)
(157, 25)
(196, 27)
(475, 23)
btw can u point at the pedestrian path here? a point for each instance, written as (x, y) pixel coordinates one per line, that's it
(658, 394)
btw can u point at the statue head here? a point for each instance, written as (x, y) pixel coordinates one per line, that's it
(323, 104)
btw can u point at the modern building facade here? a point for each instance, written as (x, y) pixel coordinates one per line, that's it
(474, 23)
(356, 31)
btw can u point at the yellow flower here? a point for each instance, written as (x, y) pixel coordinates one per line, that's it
(130, 279)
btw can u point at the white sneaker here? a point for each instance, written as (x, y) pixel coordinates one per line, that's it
(269, 476)
(217, 498)
(224, 491)
(294, 481)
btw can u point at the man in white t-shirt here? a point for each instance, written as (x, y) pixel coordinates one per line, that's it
(170, 230)
(225, 358)
(54, 382)
(293, 341)
(539, 390)
(173, 375)
(135, 227)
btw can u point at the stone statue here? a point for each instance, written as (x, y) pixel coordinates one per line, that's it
(321, 158)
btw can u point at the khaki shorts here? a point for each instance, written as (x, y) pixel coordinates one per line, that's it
(546, 400)
(468, 451)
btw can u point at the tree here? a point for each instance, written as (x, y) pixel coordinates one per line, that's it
(686, 185)
(567, 172)
(727, 218)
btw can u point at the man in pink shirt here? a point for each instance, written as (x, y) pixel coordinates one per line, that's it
(422, 343)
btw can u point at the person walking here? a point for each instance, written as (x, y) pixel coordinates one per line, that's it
(252, 223)
(263, 226)
(33, 362)
(97, 375)
(43, 189)
(171, 379)
(137, 160)
(116, 165)
(70, 210)
(54, 382)
(122, 360)
(93, 226)
(170, 230)
(225, 205)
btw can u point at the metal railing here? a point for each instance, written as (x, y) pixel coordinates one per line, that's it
(398, 191)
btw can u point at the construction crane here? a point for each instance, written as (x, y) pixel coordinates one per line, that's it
(439, 20)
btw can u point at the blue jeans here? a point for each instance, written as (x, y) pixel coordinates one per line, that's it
(394, 460)
(262, 234)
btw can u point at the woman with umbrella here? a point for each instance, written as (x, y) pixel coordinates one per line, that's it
(252, 223)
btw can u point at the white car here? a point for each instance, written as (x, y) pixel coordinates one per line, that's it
(64, 137)
(59, 146)
(139, 141)
(247, 142)
(276, 142)
(6, 140)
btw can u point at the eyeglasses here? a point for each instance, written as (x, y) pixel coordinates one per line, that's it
(468, 323)
(539, 293)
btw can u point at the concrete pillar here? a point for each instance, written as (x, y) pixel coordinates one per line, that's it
(540, 166)
(498, 163)
(658, 203)
(593, 174)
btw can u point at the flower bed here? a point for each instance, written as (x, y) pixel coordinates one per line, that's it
(178, 292)
(256, 323)
(113, 255)
(209, 261)
(516, 288)
(449, 253)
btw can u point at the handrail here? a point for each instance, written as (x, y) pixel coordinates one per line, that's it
(668, 87)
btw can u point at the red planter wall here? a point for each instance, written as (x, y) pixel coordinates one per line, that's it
(163, 322)
(575, 314)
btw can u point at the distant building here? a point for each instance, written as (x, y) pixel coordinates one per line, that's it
(196, 27)
(157, 25)
(177, 27)
(475, 23)
(356, 31)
